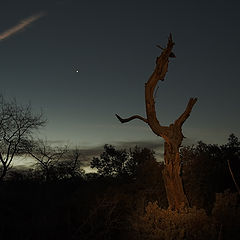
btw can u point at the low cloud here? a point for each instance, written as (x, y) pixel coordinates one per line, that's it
(148, 144)
(21, 25)
(87, 154)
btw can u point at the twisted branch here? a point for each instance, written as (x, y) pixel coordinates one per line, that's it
(124, 120)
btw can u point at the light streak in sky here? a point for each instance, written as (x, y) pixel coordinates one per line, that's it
(20, 26)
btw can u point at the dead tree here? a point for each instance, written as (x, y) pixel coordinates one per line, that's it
(171, 134)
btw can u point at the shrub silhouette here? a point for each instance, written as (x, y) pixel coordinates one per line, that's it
(165, 224)
(226, 212)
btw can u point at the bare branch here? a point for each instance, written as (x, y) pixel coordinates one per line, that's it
(234, 180)
(186, 113)
(17, 123)
(1, 159)
(8, 151)
(34, 156)
(124, 120)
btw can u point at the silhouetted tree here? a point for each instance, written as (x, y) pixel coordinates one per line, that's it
(47, 158)
(17, 124)
(55, 163)
(119, 163)
(232, 154)
(70, 165)
(206, 172)
(138, 156)
(172, 134)
(111, 162)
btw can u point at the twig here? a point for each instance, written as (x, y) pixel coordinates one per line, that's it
(234, 180)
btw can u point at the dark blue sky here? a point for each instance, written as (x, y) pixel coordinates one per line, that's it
(113, 45)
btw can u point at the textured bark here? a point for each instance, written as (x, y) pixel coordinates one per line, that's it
(172, 179)
(171, 134)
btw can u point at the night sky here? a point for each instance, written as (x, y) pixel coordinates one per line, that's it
(80, 62)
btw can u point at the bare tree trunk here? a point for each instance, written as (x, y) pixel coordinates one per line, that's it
(171, 134)
(172, 179)
(3, 173)
(4, 168)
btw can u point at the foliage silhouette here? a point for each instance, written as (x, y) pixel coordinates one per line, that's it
(120, 163)
(129, 205)
(205, 170)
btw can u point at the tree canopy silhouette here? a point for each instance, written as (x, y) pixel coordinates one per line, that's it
(206, 166)
(118, 163)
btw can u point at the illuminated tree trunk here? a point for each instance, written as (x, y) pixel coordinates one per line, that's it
(171, 134)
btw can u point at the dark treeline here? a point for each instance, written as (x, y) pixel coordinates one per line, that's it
(125, 199)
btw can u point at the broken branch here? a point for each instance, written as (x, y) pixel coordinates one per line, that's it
(186, 113)
(124, 120)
